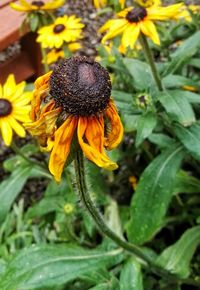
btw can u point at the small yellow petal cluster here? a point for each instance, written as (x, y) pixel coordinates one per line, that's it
(25, 6)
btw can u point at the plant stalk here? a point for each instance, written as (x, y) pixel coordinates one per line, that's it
(149, 58)
(97, 217)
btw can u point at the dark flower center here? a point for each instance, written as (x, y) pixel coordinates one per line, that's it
(80, 86)
(37, 3)
(59, 28)
(136, 14)
(5, 108)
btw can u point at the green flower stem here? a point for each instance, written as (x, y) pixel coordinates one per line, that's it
(149, 57)
(44, 59)
(97, 217)
(16, 149)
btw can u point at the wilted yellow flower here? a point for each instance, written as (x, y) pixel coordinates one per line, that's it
(78, 92)
(14, 109)
(25, 6)
(135, 20)
(65, 29)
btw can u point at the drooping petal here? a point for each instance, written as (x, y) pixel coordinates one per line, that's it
(149, 29)
(164, 13)
(93, 131)
(116, 28)
(6, 131)
(115, 135)
(53, 5)
(130, 35)
(41, 89)
(61, 148)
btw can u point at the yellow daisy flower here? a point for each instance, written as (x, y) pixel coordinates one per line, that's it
(135, 20)
(65, 29)
(14, 109)
(25, 6)
(78, 102)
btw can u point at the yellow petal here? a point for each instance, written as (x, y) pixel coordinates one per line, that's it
(163, 13)
(149, 29)
(9, 86)
(93, 150)
(16, 127)
(6, 131)
(115, 135)
(118, 26)
(61, 148)
(130, 35)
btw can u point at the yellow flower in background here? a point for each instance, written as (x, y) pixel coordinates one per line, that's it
(14, 109)
(135, 20)
(74, 46)
(185, 11)
(65, 29)
(148, 3)
(25, 6)
(54, 55)
(72, 100)
(99, 3)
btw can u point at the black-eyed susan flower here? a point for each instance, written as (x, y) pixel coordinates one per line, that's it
(25, 6)
(72, 100)
(64, 30)
(14, 109)
(135, 20)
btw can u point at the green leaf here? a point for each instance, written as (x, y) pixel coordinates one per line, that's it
(161, 140)
(140, 72)
(130, 122)
(186, 183)
(190, 96)
(112, 284)
(177, 257)
(177, 81)
(145, 125)
(131, 276)
(184, 52)
(153, 195)
(11, 187)
(46, 266)
(178, 108)
(190, 138)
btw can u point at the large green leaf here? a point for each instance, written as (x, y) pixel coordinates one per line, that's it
(140, 72)
(178, 107)
(184, 52)
(190, 138)
(145, 125)
(153, 194)
(131, 276)
(178, 81)
(40, 267)
(11, 187)
(177, 257)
